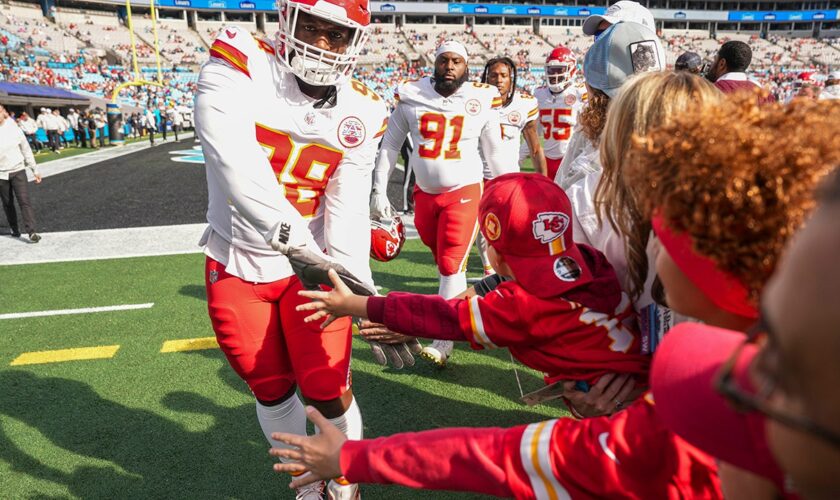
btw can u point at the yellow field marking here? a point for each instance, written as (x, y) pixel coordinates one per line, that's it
(60, 355)
(189, 344)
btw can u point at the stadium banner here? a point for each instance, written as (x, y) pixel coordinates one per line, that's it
(408, 8)
(689, 15)
(472, 9)
(783, 15)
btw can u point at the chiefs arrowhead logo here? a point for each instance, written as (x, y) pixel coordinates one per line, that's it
(549, 226)
(492, 227)
(230, 34)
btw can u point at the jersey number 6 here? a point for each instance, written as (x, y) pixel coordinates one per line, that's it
(302, 171)
(562, 130)
(433, 127)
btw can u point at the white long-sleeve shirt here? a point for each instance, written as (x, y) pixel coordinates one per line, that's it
(446, 133)
(15, 153)
(276, 163)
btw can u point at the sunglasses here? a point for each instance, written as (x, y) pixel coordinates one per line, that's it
(747, 400)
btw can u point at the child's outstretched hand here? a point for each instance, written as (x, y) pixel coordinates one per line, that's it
(339, 301)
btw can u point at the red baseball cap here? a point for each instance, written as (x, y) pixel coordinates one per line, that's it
(527, 218)
(682, 378)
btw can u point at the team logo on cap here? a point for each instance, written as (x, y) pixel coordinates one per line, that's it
(645, 57)
(473, 107)
(570, 99)
(566, 268)
(549, 226)
(514, 117)
(351, 132)
(492, 227)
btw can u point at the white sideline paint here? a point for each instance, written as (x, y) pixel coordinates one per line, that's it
(61, 165)
(84, 310)
(102, 244)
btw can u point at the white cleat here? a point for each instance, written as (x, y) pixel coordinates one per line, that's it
(342, 490)
(314, 491)
(438, 352)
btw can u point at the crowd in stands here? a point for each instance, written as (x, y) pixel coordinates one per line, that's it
(71, 53)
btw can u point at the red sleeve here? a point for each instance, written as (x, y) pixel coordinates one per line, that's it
(475, 460)
(630, 455)
(425, 316)
(496, 320)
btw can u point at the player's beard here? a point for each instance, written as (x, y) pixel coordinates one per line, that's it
(450, 86)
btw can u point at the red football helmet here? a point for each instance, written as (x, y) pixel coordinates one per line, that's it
(311, 64)
(386, 238)
(560, 68)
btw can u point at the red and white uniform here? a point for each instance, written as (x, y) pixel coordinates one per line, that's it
(629, 455)
(557, 115)
(277, 163)
(446, 133)
(522, 110)
(586, 333)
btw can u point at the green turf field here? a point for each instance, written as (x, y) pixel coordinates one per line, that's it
(146, 424)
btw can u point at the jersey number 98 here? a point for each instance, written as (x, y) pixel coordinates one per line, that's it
(303, 171)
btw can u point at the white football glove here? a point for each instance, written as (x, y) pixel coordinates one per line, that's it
(380, 206)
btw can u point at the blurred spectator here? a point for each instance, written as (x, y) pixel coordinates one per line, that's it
(832, 86)
(150, 125)
(90, 122)
(15, 158)
(63, 126)
(78, 133)
(99, 119)
(30, 128)
(689, 61)
(728, 71)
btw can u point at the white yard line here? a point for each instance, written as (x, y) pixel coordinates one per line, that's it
(84, 310)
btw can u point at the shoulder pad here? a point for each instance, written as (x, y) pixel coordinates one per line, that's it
(480, 85)
(364, 90)
(234, 46)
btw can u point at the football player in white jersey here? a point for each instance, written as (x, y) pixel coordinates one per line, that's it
(518, 118)
(560, 101)
(448, 119)
(290, 143)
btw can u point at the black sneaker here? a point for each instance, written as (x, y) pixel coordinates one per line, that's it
(15, 234)
(34, 237)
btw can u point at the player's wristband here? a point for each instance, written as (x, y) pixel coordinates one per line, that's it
(488, 284)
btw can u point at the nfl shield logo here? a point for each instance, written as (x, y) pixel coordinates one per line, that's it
(214, 276)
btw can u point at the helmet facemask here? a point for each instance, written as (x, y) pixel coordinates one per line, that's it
(311, 64)
(559, 75)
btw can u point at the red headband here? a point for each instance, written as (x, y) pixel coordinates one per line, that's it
(721, 288)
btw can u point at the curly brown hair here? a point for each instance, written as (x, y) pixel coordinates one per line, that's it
(593, 117)
(739, 178)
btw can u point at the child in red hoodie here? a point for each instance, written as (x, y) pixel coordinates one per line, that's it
(561, 311)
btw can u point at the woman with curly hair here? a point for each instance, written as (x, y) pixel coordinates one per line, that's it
(726, 187)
